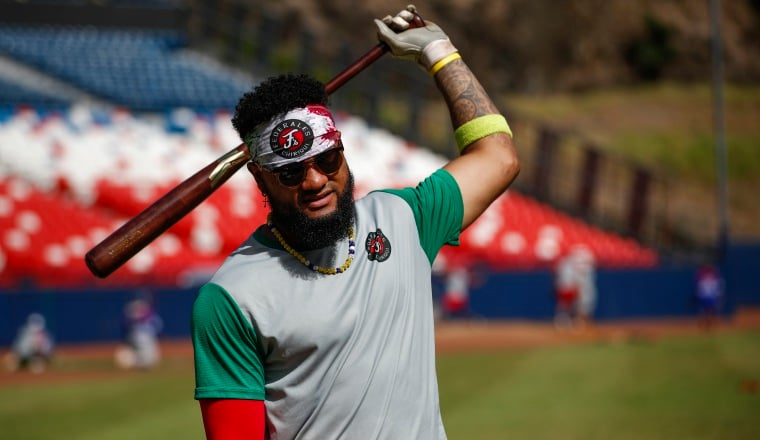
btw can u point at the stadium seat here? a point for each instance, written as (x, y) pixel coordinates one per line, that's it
(70, 177)
(144, 70)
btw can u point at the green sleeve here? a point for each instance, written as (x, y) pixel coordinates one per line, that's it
(438, 210)
(227, 363)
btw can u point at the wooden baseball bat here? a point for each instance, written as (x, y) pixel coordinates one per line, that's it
(142, 229)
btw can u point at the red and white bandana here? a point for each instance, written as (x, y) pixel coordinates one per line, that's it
(297, 135)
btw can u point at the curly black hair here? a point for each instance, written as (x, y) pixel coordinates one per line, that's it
(275, 96)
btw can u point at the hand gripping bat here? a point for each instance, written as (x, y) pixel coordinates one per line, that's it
(142, 229)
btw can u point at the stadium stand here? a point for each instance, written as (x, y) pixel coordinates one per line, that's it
(105, 105)
(71, 178)
(18, 94)
(71, 172)
(144, 70)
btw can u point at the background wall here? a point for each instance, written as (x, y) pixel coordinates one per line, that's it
(80, 316)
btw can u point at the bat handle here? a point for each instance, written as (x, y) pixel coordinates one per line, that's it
(365, 60)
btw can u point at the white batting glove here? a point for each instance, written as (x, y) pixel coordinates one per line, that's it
(425, 45)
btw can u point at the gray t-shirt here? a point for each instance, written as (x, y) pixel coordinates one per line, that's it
(350, 355)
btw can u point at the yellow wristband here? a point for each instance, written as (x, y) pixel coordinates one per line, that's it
(480, 127)
(443, 61)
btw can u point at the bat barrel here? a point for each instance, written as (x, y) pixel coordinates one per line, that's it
(141, 230)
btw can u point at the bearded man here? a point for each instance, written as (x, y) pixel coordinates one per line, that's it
(320, 325)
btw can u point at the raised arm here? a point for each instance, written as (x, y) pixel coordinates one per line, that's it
(488, 163)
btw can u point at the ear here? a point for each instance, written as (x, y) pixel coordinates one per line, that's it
(255, 171)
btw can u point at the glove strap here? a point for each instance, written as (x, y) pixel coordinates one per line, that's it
(436, 51)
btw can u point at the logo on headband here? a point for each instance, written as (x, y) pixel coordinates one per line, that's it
(291, 138)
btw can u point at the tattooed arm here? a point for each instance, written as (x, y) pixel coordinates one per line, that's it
(488, 163)
(488, 166)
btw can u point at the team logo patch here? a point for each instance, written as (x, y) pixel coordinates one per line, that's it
(378, 247)
(291, 138)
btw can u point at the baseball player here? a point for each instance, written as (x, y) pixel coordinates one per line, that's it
(33, 347)
(320, 325)
(142, 326)
(709, 295)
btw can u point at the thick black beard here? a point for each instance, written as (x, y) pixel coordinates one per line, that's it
(321, 232)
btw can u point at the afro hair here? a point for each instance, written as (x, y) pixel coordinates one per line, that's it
(276, 96)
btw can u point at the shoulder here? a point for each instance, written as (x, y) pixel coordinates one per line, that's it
(441, 181)
(251, 252)
(381, 207)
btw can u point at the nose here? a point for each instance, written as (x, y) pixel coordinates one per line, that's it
(313, 178)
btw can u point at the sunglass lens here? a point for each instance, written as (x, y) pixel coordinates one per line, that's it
(291, 176)
(330, 161)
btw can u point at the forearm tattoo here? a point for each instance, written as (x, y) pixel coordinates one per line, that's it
(464, 95)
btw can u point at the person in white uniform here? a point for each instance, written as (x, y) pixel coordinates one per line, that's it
(33, 347)
(320, 325)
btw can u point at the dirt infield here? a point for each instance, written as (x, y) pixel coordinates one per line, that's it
(482, 336)
(451, 337)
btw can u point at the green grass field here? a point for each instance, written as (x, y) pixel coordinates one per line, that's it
(679, 388)
(686, 387)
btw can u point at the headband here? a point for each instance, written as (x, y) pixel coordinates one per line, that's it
(292, 137)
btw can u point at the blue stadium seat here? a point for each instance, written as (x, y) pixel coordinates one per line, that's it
(13, 94)
(144, 70)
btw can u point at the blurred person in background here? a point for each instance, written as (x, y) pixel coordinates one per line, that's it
(33, 347)
(320, 325)
(456, 293)
(565, 292)
(575, 288)
(141, 327)
(458, 279)
(585, 273)
(709, 295)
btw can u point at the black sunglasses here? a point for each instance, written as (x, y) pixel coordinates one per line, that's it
(328, 163)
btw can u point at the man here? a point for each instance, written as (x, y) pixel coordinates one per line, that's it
(33, 347)
(566, 292)
(585, 267)
(709, 295)
(320, 325)
(142, 326)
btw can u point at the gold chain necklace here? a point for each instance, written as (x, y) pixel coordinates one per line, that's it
(309, 264)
